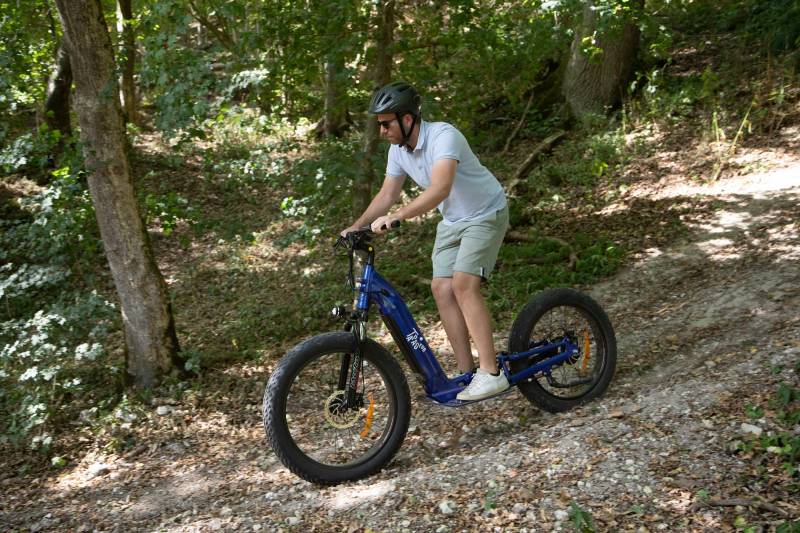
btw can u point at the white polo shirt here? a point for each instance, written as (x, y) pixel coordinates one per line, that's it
(475, 194)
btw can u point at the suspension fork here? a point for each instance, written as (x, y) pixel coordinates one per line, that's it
(350, 368)
(357, 324)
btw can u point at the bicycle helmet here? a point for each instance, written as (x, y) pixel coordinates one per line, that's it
(401, 99)
(397, 97)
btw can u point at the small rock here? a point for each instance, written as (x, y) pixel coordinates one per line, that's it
(750, 428)
(442, 529)
(561, 515)
(293, 520)
(98, 469)
(163, 410)
(215, 524)
(176, 447)
(256, 527)
(447, 507)
(405, 523)
(226, 511)
(518, 508)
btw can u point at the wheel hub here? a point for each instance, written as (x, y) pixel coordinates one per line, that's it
(338, 413)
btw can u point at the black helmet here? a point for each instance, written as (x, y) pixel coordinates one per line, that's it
(398, 97)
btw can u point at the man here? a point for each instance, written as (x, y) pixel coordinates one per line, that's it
(475, 218)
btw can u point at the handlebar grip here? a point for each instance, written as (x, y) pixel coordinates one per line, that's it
(395, 224)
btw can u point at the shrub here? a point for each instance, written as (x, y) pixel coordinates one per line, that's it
(52, 328)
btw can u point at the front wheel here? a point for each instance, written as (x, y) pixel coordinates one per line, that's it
(316, 429)
(558, 314)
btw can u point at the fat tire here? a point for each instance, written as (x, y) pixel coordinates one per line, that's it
(274, 409)
(519, 339)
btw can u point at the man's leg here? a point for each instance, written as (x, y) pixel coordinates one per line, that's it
(475, 314)
(453, 322)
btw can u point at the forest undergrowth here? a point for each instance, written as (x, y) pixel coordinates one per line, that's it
(243, 224)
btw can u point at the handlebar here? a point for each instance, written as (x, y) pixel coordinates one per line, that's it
(353, 238)
(358, 240)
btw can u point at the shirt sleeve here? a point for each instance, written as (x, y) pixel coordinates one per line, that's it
(393, 167)
(448, 144)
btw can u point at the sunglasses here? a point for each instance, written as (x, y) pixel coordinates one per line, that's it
(386, 123)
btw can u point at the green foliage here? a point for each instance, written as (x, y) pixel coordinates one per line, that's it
(29, 151)
(580, 161)
(782, 447)
(582, 521)
(53, 330)
(775, 24)
(168, 210)
(177, 76)
(788, 527)
(526, 268)
(27, 49)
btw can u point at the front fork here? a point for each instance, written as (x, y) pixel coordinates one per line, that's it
(350, 369)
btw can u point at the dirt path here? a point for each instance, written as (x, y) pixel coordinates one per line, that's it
(705, 328)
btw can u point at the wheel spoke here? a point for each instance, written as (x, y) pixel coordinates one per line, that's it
(333, 437)
(566, 315)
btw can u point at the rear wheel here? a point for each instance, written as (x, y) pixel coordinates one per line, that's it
(320, 433)
(568, 314)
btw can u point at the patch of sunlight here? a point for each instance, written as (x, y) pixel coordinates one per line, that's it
(613, 207)
(652, 252)
(714, 245)
(726, 221)
(347, 497)
(681, 502)
(785, 241)
(310, 271)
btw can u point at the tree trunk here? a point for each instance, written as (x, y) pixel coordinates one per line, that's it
(335, 120)
(56, 105)
(151, 343)
(593, 84)
(127, 93)
(381, 75)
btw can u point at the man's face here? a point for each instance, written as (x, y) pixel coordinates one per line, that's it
(389, 128)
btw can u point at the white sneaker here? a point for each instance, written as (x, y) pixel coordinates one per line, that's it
(483, 385)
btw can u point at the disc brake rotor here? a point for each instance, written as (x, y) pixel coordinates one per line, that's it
(336, 414)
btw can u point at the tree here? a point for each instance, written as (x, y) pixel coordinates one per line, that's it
(151, 342)
(380, 76)
(56, 105)
(334, 18)
(128, 60)
(602, 56)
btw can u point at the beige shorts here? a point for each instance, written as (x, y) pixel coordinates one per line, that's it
(469, 247)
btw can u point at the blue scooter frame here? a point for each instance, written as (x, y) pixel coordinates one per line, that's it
(373, 289)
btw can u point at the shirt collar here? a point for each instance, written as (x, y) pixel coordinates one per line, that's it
(421, 137)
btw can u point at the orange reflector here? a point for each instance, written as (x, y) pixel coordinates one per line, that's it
(368, 418)
(586, 350)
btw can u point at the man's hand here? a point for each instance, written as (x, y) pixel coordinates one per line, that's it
(344, 232)
(383, 224)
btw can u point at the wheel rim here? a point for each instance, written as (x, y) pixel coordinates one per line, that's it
(581, 329)
(328, 434)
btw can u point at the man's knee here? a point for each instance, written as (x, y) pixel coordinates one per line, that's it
(442, 288)
(465, 284)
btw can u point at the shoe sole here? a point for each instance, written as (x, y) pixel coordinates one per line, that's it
(483, 397)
